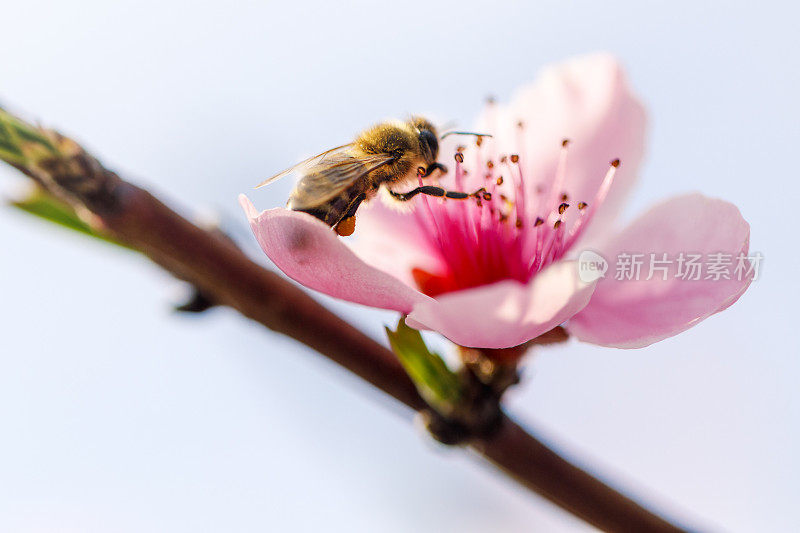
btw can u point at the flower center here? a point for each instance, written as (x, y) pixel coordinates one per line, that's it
(511, 229)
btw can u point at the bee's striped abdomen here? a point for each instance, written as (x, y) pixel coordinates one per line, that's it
(337, 208)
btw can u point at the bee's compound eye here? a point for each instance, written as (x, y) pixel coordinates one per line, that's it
(429, 144)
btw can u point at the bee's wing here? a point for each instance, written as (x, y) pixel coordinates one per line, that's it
(302, 166)
(333, 175)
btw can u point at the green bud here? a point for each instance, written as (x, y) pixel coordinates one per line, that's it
(436, 383)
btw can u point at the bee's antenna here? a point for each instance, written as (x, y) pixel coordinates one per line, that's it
(464, 133)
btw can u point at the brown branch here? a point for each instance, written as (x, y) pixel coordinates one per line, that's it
(223, 272)
(542, 470)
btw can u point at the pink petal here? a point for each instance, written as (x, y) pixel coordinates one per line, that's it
(507, 313)
(587, 100)
(632, 314)
(310, 253)
(394, 242)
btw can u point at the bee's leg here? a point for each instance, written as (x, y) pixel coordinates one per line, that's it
(431, 190)
(347, 224)
(353, 207)
(432, 168)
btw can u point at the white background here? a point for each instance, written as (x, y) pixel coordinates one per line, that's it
(117, 415)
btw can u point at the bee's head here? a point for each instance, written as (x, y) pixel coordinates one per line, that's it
(428, 141)
(428, 144)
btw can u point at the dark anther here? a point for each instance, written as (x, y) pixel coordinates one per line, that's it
(539, 222)
(564, 197)
(564, 143)
(520, 124)
(487, 196)
(479, 140)
(582, 205)
(519, 223)
(514, 158)
(503, 158)
(489, 164)
(615, 163)
(420, 171)
(500, 180)
(557, 224)
(563, 207)
(459, 157)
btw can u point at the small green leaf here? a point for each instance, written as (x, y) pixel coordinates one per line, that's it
(45, 206)
(436, 383)
(10, 151)
(18, 140)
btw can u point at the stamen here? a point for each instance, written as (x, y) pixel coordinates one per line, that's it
(460, 171)
(558, 243)
(493, 237)
(537, 256)
(581, 223)
(550, 242)
(557, 187)
(519, 190)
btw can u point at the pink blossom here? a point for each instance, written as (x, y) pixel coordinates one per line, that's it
(502, 270)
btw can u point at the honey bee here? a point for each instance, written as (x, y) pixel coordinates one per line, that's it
(391, 154)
